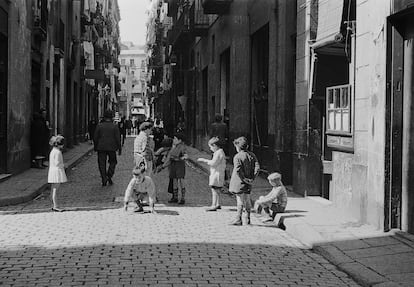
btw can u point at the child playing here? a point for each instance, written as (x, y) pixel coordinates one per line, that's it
(275, 200)
(161, 156)
(140, 186)
(56, 174)
(176, 162)
(217, 170)
(246, 168)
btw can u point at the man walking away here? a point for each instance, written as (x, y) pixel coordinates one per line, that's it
(107, 141)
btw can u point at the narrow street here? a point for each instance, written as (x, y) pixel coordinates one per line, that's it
(96, 243)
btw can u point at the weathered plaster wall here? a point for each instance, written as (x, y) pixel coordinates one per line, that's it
(230, 31)
(370, 88)
(19, 97)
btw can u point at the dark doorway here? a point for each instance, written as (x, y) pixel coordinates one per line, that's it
(36, 87)
(260, 83)
(225, 85)
(3, 90)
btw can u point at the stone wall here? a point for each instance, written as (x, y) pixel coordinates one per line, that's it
(19, 95)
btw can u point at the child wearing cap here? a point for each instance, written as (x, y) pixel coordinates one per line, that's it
(245, 170)
(140, 186)
(275, 200)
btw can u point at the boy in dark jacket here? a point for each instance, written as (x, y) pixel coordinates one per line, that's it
(246, 168)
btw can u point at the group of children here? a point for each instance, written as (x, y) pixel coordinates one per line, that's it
(172, 155)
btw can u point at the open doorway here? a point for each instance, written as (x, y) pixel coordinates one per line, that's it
(259, 85)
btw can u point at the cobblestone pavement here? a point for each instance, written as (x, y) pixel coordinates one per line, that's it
(96, 243)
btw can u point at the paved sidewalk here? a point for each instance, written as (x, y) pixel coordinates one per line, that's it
(369, 256)
(32, 182)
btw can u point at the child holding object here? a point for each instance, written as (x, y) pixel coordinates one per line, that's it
(246, 168)
(140, 186)
(275, 200)
(176, 163)
(217, 171)
(56, 174)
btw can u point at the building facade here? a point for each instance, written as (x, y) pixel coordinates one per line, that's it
(133, 79)
(43, 60)
(321, 88)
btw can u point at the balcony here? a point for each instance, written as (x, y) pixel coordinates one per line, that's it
(180, 31)
(216, 6)
(40, 20)
(199, 21)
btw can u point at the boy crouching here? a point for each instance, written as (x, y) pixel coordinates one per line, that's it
(275, 200)
(140, 186)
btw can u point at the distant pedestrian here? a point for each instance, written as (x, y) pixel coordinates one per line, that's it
(217, 171)
(138, 188)
(144, 148)
(176, 163)
(275, 200)
(39, 139)
(158, 133)
(134, 126)
(128, 126)
(106, 143)
(56, 174)
(246, 168)
(91, 129)
(122, 130)
(180, 126)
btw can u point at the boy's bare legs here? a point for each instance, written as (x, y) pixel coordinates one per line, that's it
(181, 185)
(248, 205)
(174, 198)
(238, 219)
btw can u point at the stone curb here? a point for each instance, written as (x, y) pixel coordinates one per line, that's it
(37, 190)
(362, 274)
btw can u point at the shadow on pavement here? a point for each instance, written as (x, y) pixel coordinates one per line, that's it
(172, 264)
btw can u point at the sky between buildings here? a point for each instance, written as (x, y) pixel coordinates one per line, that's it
(133, 19)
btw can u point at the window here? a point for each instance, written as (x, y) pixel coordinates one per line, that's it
(122, 61)
(131, 62)
(338, 109)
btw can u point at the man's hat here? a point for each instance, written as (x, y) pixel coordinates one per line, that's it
(108, 115)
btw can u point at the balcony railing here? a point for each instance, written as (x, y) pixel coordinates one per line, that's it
(181, 28)
(199, 21)
(216, 6)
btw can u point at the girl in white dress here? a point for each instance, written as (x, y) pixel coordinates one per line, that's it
(217, 170)
(56, 174)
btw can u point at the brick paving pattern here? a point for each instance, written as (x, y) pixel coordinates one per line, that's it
(96, 243)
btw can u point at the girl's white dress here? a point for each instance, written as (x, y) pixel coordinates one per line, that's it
(217, 168)
(56, 167)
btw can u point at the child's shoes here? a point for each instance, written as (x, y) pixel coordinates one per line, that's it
(236, 222)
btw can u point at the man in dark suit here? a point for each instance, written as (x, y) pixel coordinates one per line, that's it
(107, 141)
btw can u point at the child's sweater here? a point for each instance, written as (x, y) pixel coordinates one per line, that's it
(277, 195)
(144, 186)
